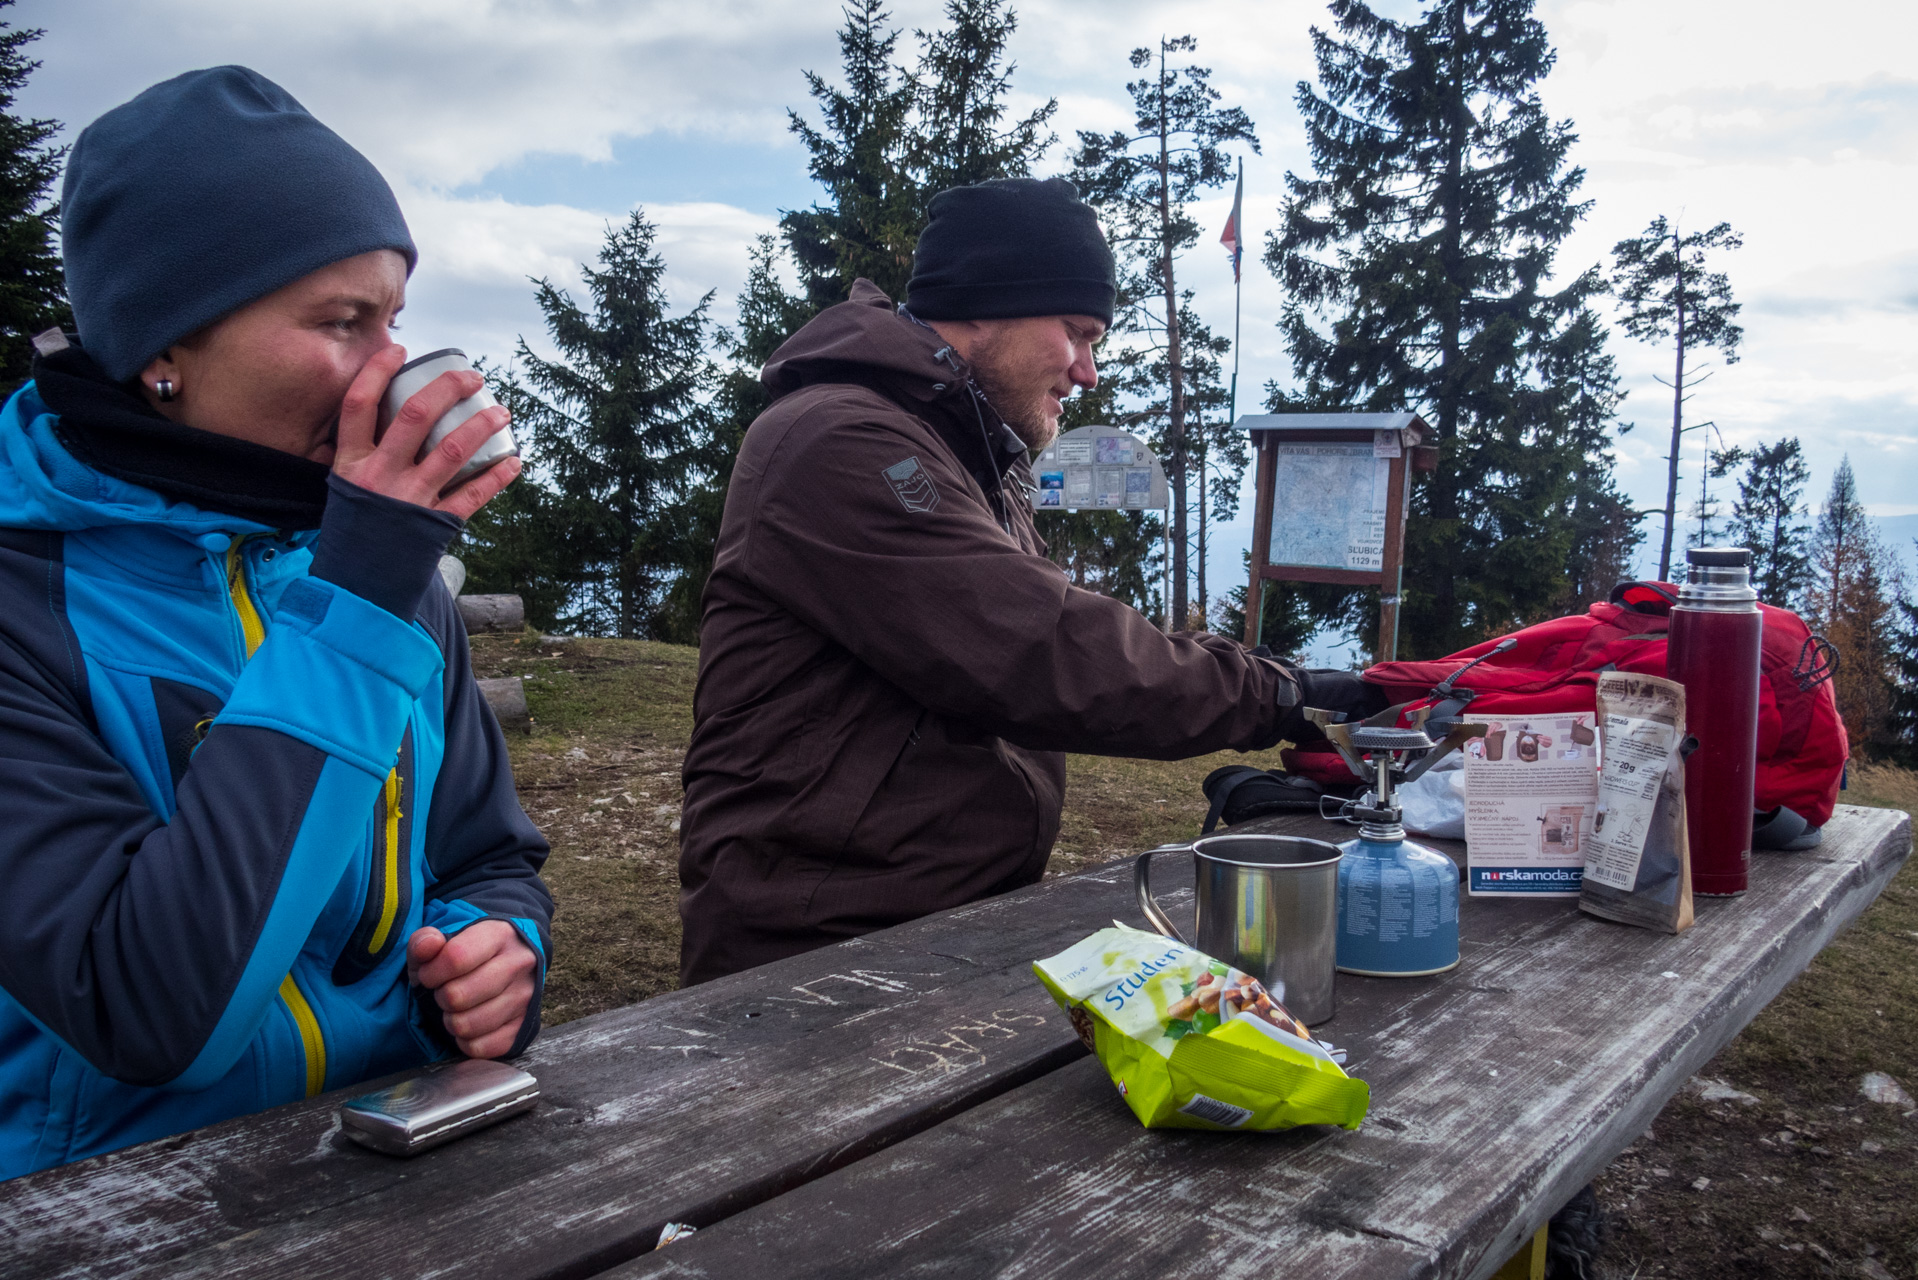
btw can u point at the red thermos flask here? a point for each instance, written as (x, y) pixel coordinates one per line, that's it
(1716, 631)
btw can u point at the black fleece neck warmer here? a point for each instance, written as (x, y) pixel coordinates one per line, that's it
(114, 430)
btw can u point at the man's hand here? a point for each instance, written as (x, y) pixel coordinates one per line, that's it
(1331, 690)
(483, 979)
(389, 468)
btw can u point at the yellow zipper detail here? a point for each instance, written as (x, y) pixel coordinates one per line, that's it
(310, 1038)
(312, 1043)
(390, 906)
(250, 625)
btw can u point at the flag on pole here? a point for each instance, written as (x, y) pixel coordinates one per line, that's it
(1233, 237)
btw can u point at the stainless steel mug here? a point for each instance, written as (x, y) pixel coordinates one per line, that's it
(1267, 905)
(413, 377)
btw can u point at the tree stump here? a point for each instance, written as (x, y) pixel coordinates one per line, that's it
(507, 697)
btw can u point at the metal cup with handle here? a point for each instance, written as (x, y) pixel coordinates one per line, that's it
(1267, 905)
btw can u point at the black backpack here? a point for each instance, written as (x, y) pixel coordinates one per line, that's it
(1239, 792)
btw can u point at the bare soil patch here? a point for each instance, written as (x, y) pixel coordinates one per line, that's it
(1807, 1179)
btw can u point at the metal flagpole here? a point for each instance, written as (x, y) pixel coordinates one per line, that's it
(1238, 289)
(1255, 600)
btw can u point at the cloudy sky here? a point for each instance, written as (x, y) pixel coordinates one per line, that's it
(513, 131)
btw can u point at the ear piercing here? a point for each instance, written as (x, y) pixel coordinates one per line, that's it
(164, 388)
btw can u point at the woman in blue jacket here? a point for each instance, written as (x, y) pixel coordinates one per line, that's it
(258, 833)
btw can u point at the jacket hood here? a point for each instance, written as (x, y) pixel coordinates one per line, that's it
(43, 486)
(864, 340)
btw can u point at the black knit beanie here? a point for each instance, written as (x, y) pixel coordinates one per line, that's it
(205, 192)
(1012, 247)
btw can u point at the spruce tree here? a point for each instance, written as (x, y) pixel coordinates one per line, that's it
(1143, 181)
(1715, 464)
(767, 316)
(1669, 296)
(619, 431)
(1902, 726)
(959, 103)
(890, 138)
(1294, 612)
(1768, 519)
(1115, 553)
(869, 221)
(519, 543)
(1582, 381)
(32, 287)
(1216, 450)
(1855, 584)
(1418, 257)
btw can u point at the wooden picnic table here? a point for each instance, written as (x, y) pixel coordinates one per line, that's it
(913, 1103)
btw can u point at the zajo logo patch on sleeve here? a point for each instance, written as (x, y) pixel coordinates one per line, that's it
(914, 487)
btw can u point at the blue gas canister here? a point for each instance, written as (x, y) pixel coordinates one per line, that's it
(1398, 901)
(1398, 908)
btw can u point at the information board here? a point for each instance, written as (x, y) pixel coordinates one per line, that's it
(1098, 468)
(1330, 502)
(1332, 505)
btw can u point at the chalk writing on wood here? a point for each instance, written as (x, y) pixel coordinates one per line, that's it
(948, 1051)
(882, 979)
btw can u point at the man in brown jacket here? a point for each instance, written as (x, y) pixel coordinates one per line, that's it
(889, 668)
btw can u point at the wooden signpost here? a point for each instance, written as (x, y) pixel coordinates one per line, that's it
(1330, 505)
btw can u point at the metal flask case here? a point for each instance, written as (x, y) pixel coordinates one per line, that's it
(1266, 905)
(438, 1106)
(1398, 901)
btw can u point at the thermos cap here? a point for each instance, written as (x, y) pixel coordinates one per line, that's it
(1718, 580)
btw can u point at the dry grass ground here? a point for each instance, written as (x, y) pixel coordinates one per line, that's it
(600, 775)
(1807, 1180)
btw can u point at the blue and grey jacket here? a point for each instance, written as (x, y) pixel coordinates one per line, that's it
(230, 790)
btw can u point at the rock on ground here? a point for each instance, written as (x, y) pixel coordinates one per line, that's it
(1879, 1087)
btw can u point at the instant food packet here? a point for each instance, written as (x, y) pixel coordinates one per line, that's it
(1638, 867)
(1193, 1043)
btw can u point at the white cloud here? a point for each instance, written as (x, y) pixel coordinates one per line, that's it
(478, 258)
(1802, 131)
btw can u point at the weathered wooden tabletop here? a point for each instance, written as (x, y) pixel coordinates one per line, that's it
(912, 1103)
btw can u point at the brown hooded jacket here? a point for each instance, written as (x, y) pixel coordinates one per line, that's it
(890, 668)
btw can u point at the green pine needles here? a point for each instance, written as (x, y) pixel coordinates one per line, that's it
(33, 293)
(1418, 260)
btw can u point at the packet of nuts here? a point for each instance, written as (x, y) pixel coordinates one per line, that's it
(1193, 1043)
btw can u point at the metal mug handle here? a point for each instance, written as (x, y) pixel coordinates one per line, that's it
(1142, 884)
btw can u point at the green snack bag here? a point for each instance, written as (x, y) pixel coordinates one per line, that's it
(1193, 1043)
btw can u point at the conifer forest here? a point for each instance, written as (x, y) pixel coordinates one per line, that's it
(1421, 259)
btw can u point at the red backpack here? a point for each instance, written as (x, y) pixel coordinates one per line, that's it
(1554, 666)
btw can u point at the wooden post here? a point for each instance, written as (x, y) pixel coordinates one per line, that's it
(1261, 539)
(1392, 565)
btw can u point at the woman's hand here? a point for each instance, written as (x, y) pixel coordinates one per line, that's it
(388, 467)
(482, 978)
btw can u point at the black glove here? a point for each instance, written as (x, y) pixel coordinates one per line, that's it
(1328, 690)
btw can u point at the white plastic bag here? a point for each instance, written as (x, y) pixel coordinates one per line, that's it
(1434, 802)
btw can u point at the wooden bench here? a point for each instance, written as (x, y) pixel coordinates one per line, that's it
(913, 1103)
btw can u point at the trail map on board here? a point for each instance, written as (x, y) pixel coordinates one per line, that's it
(1328, 506)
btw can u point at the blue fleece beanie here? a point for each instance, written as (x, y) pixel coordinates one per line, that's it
(205, 192)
